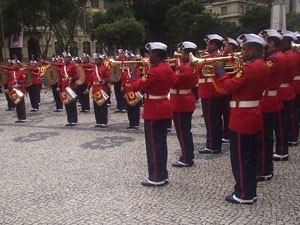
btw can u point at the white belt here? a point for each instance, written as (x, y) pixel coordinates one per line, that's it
(270, 93)
(297, 78)
(205, 80)
(65, 79)
(180, 91)
(244, 104)
(284, 85)
(155, 96)
(96, 83)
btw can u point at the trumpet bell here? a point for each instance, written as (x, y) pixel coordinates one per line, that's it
(208, 70)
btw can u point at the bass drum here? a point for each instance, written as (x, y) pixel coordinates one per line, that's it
(3, 77)
(49, 75)
(29, 77)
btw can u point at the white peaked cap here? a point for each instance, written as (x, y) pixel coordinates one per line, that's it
(187, 44)
(210, 37)
(66, 54)
(15, 61)
(270, 33)
(98, 56)
(120, 50)
(291, 34)
(156, 45)
(231, 41)
(84, 55)
(254, 38)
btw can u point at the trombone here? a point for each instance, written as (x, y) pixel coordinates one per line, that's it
(208, 70)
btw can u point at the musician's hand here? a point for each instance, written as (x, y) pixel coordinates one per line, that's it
(58, 89)
(219, 68)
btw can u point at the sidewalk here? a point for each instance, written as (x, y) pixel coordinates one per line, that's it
(52, 174)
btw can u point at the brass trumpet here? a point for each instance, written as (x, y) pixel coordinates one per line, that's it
(207, 69)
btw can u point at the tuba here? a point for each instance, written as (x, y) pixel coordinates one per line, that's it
(207, 69)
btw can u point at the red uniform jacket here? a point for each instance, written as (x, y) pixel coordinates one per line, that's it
(285, 91)
(207, 87)
(247, 85)
(16, 79)
(181, 96)
(99, 77)
(68, 74)
(35, 74)
(296, 81)
(156, 84)
(88, 69)
(270, 101)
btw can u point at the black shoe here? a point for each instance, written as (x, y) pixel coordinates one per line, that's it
(98, 125)
(85, 111)
(209, 151)
(129, 128)
(103, 125)
(58, 110)
(293, 143)
(117, 111)
(20, 121)
(280, 158)
(10, 109)
(149, 183)
(181, 164)
(34, 110)
(234, 200)
(123, 111)
(264, 178)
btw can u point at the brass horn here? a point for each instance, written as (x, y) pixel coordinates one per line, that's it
(208, 70)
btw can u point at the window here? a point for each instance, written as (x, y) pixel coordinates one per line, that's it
(242, 9)
(95, 4)
(86, 47)
(223, 10)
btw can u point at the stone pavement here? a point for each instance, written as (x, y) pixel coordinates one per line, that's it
(52, 174)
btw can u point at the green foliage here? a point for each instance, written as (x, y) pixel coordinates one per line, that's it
(126, 33)
(256, 19)
(292, 21)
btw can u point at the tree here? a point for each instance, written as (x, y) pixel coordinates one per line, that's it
(118, 28)
(256, 19)
(292, 21)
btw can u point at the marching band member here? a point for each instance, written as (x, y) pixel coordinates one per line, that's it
(212, 101)
(8, 69)
(246, 123)
(296, 81)
(59, 64)
(34, 90)
(183, 104)
(287, 96)
(117, 85)
(83, 96)
(67, 77)
(16, 90)
(230, 47)
(133, 99)
(271, 107)
(157, 113)
(98, 80)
